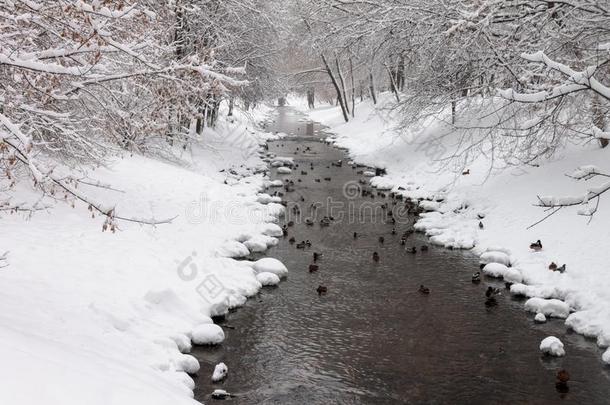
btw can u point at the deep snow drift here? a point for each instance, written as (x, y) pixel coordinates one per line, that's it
(92, 317)
(490, 210)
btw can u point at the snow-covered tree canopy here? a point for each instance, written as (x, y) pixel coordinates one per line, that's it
(83, 79)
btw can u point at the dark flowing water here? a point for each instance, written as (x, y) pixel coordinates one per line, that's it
(373, 338)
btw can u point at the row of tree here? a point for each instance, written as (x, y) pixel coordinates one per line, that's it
(80, 80)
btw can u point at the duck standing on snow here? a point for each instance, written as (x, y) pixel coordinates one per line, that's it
(536, 246)
(553, 266)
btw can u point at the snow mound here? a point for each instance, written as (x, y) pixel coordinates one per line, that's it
(265, 198)
(284, 170)
(208, 334)
(260, 243)
(540, 318)
(233, 248)
(369, 173)
(552, 346)
(501, 271)
(271, 229)
(532, 291)
(276, 183)
(282, 161)
(551, 307)
(220, 372)
(606, 357)
(266, 278)
(495, 257)
(187, 363)
(270, 265)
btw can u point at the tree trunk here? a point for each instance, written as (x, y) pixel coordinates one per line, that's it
(372, 88)
(342, 85)
(393, 84)
(336, 86)
(351, 72)
(231, 105)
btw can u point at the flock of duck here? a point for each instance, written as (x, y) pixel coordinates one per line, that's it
(562, 376)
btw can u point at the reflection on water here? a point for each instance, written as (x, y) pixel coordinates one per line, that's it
(373, 338)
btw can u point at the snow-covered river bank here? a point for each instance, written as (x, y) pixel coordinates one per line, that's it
(372, 337)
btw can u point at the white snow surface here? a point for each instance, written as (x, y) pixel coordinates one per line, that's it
(502, 198)
(270, 265)
(552, 346)
(267, 278)
(220, 372)
(101, 318)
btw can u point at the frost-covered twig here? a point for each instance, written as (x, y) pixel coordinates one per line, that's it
(3, 259)
(582, 173)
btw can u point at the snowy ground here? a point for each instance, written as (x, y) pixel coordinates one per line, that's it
(505, 199)
(92, 317)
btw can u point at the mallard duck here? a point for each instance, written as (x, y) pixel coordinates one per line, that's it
(403, 240)
(424, 248)
(292, 240)
(307, 243)
(301, 245)
(563, 376)
(481, 226)
(536, 246)
(466, 172)
(313, 268)
(284, 230)
(491, 292)
(291, 223)
(376, 256)
(412, 249)
(316, 256)
(476, 277)
(355, 235)
(381, 239)
(562, 269)
(393, 231)
(309, 222)
(322, 289)
(317, 180)
(424, 290)
(327, 179)
(553, 266)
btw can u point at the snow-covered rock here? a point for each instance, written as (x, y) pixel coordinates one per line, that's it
(551, 307)
(208, 334)
(509, 274)
(271, 229)
(276, 183)
(187, 363)
(495, 257)
(368, 173)
(268, 279)
(606, 356)
(284, 170)
(540, 318)
(270, 265)
(220, 372)
(552, 346)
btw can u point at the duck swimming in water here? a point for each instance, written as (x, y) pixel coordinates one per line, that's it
(424, 290)
(376, 256)
(476, 277)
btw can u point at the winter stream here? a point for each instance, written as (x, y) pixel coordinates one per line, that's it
(373, 338)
